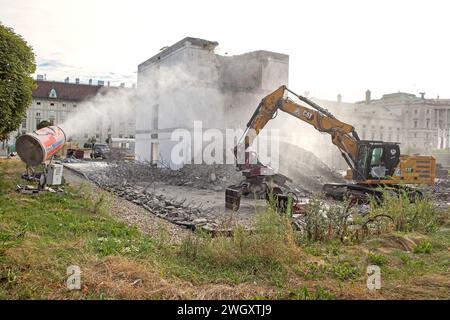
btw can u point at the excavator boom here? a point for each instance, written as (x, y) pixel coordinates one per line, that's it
(342, 134)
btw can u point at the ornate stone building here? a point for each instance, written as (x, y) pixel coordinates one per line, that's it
(57, 101)
(419, 124)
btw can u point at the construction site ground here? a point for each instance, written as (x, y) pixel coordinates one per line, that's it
(126, 252)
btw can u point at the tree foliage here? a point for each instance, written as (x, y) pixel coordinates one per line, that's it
(17, 63)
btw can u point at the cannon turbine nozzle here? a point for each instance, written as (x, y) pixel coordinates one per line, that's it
(36, 147)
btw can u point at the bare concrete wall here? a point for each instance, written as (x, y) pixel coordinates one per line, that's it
(190, 82)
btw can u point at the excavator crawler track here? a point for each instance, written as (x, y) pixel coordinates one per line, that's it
(362, 193)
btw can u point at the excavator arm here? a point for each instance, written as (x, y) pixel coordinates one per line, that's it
(342, 134)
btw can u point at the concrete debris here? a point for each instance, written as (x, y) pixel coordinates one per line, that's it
(440, 193)
(192, 196)
(298, 164)
(175, 211)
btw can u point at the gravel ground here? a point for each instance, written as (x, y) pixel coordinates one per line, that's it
(132, 214)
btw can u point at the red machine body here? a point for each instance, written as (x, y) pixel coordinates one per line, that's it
(36, 147)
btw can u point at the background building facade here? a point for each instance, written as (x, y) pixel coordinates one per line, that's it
(56, 102)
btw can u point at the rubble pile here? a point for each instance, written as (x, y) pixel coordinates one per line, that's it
(305, 169)
(216, 177)
(441, 193)
(307, 172)
(213, 177)
(149, 186)
(175, 211)
(135, 182)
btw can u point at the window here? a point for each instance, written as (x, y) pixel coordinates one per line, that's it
(74, 105)
(38, 113)
(97, 136)
(52, 93)
(52, 104)
(131, 136)
(38, 120)
(415, 123)
(415, 111)
(154, 153)
(51, 117)
(86, 136)
(24, 123)
(376, 156)
(428, 123)
(38, 103)
(63, 104)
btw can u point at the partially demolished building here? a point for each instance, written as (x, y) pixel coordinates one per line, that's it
(189, 82)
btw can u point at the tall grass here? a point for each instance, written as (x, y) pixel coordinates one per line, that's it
(398, 212)
(324, 222)
(272, 242)
(395, 212)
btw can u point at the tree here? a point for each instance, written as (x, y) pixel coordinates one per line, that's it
(17, 63)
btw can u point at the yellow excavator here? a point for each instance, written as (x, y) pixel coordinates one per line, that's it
(372, 164)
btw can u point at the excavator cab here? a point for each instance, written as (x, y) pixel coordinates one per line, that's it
(376, 160)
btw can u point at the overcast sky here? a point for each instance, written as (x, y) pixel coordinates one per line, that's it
(335, 47)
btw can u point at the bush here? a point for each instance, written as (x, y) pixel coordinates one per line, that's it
(344, 271)
(376, 259)
(399, 212)
(326, 222)
(423, 247)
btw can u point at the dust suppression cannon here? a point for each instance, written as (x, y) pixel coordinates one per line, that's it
(37, 150)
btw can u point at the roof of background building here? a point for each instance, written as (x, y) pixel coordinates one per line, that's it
(65, 91)
(69, 91)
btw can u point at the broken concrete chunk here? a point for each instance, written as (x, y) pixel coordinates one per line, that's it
(200, 221)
